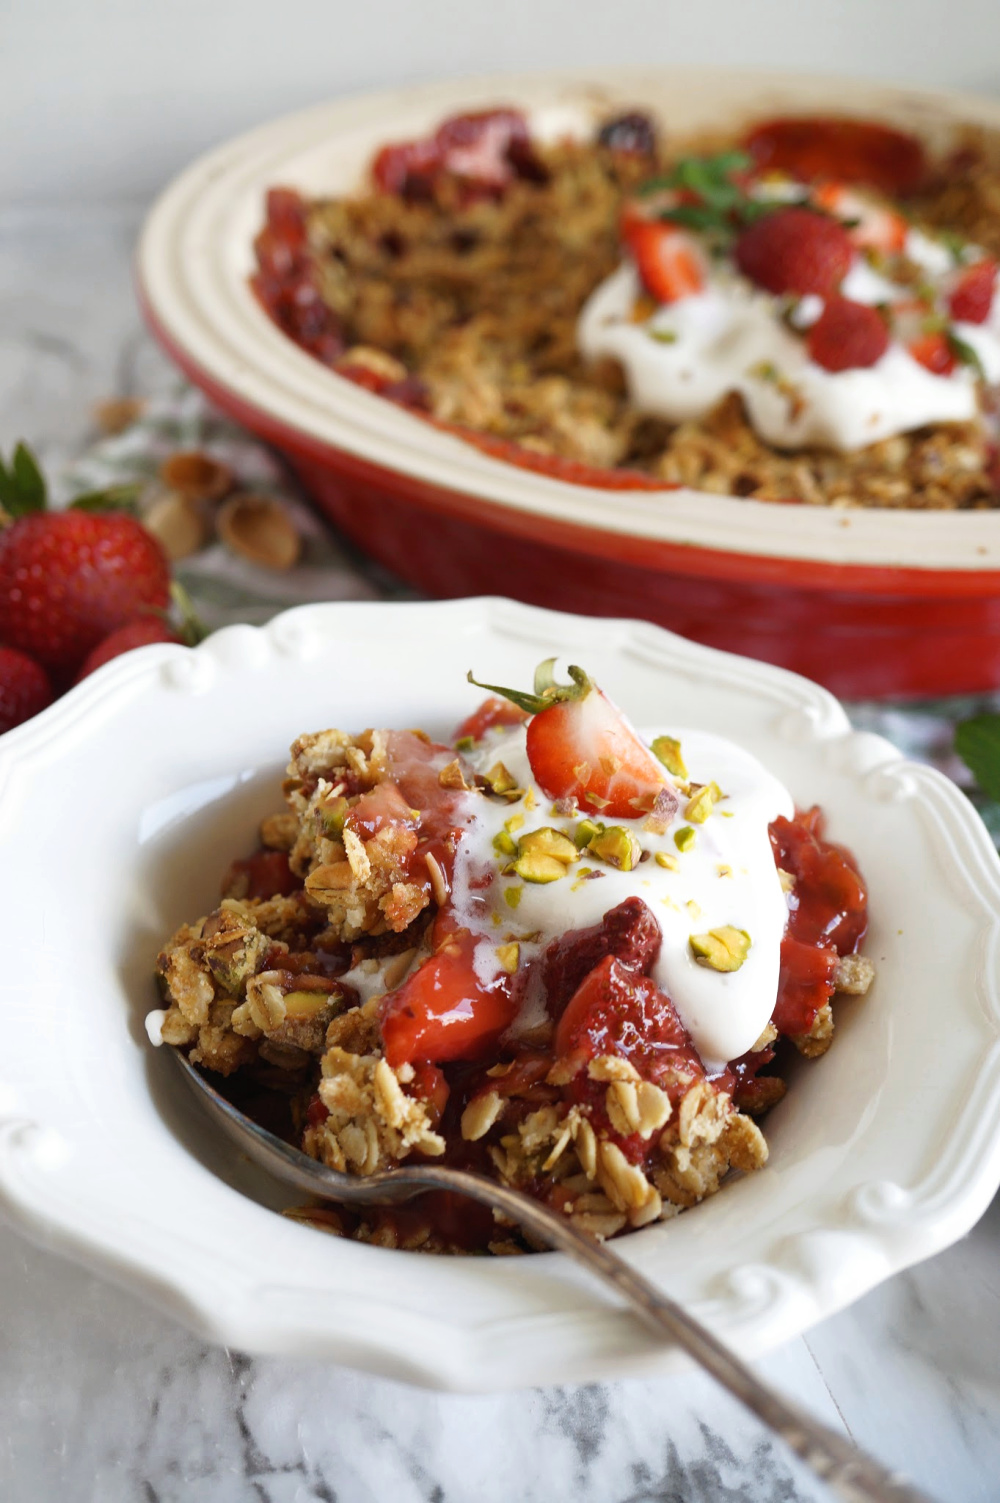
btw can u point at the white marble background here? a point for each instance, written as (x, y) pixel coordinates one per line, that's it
(104, 1401)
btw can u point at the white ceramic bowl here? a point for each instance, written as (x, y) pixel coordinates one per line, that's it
(869, 602)
(122, 804)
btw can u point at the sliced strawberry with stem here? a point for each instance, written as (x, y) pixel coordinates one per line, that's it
(934, 352)
(581, 747)
(669, 262)
(870, 226)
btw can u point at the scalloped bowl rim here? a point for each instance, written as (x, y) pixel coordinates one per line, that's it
(102, 1175)
(195, 254)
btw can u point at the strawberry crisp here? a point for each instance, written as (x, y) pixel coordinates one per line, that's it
(804, 310)
(557, 951)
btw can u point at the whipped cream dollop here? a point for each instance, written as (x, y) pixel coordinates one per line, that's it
(732, 337)
(725, 876)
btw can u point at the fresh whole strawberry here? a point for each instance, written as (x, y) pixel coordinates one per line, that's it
(972, 296)
(847, 336)
(795, 250)
(141, 632)
(581, 747)
(24, 688)
(68, 579)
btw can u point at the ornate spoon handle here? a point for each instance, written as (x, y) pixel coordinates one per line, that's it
(852, 1476)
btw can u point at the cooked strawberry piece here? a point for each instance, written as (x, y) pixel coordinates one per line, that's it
(286, 215)
(795, 250)
(972, 296)
(870, 226)
(414, 765)
(381, 807)
(492, 712)
(933, 352)
(629, 933)
(847, 336)
(667, 259)
(444, 1011)
(812, 147)
(430, 1085)
(407, 168)
(266, 874)
(316, 1112)
(615, 1011)
(828, 904)
(25, 689)
(478, 146)
(805, 984)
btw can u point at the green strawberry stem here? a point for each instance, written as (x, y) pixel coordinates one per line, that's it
(546, 692)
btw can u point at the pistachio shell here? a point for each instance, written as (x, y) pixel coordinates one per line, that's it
(178, 523)
(259, 529)
(196, 475)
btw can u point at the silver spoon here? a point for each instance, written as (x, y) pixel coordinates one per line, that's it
(851, 1476)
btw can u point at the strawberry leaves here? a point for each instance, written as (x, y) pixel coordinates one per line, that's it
(22, 484)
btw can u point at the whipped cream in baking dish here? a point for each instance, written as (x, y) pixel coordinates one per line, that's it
(682, 357)
(715, 872)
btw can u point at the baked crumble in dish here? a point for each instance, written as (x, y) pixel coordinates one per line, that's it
(570, 956)
(803, 311)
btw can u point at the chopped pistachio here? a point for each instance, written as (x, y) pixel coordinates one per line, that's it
(617, 846)
(330, 815)
(305, 1004)
(508, 956)
(701, 805)
(668, 750)
(663, 336)
(465, 743)
(513, 896)
(663, 858)
(514, 823)
(452, 776)
(543, 855)
(724, 869)
(529, 798)
(502, 782)
(722, 949)
(504, 844)
(685, 838)
(585, 832)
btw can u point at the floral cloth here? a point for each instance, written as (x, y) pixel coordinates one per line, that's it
(227, 589)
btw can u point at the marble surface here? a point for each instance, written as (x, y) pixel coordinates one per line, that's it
(102, 1400)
